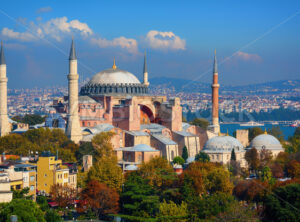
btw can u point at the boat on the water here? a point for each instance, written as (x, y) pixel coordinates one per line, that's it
(295, 124)
(251, 123)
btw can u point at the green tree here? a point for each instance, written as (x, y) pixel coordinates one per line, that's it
(202, 157)
(26, 210)
(30, 119)
(233, 157)
(254, 131)
(201, 122)
(102, 144)
(210, 206)
(52, 216)
(106, 171)
(178, 160)
(139, 198)
(267, 175)
(276, 131)
(85, 149)
(159, 172)
(170, 211)
(238, 212)
(42, 202)
(283, 204)
(252, 158)
(21, 194)
(185, 154)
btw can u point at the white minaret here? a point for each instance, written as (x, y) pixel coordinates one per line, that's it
(73, 130)
(145, 71)
(5, 127)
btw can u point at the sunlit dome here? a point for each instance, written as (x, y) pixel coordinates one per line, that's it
(266, 141)
(223, 144)
(114, 76)
(113, 81)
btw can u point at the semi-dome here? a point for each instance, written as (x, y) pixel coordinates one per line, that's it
(223, 144)
(114, 76)
(266, 141)
(113, 81)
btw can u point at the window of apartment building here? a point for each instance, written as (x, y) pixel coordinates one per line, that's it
(65, 176)
(31, 178)
(18, 187)
(32, 188)
(45, 175)
(45, 184)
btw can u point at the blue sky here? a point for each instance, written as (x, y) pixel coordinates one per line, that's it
(256, 41)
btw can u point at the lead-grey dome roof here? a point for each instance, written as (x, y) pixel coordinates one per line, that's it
(266, 141)
(223, 144)
(114, 76)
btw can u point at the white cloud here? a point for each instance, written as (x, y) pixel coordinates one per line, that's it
(23, 36)
(44, 10)
(248, 57)
(54, 28)
(164, 40)
(130, 45)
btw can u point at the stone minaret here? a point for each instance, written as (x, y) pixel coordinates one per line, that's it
(215, 98)
(4, 124)
(73, 130)
(145, 71)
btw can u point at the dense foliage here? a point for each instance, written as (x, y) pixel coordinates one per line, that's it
(39, 140)
(30, 119)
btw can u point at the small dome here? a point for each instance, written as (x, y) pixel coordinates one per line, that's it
(223, 144)
(266, 141)
(114, 76)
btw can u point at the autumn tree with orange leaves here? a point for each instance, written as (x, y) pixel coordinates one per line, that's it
(64, 196)
(100, 198)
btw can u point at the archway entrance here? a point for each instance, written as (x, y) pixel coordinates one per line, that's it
(146, 115)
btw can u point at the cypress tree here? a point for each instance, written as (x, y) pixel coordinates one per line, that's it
(233, 157)
(185, 154)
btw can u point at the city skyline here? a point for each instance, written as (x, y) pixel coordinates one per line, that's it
(255, 42)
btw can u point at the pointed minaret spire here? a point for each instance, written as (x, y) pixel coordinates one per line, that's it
(145, 70)
(215, 64)
(72, 51)
(5, 126)
(73, 129)
(2, 57)
(114, 65)
(215, 126)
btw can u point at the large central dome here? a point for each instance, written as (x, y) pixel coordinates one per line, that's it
(113, 81)
(114, 76)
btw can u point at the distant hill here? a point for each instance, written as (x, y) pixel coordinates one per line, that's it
(184, 85)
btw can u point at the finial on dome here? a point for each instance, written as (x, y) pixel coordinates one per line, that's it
(265, 131)
(227, 133)
(114, 65)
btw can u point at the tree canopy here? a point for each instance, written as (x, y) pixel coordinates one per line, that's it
(201, 122)
(25, 210)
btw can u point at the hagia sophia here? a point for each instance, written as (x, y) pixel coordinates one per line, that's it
(145, 126)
